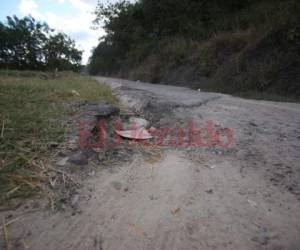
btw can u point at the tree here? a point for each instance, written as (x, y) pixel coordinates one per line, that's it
(31, 45)
(135, 30)
(60, 52)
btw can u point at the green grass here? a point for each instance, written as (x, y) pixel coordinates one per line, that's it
(33, 110)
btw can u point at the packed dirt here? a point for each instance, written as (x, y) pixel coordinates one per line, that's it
(245, 195)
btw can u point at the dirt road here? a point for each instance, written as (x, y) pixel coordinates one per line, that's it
(244, 196)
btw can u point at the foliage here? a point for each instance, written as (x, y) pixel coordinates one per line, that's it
(237, 45)
(26, 44)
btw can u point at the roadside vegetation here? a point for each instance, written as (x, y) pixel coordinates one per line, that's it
(34, 110)
(248, 48)
(27, 44)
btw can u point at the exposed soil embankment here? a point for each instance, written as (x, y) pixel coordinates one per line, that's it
(245, 48)
(263, 65)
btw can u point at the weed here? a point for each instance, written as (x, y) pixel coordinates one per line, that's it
(33, 114)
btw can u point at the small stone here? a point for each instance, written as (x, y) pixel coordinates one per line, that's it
(62, 162)
(253, 124)
(75, 200)
(93, 173)
(79, 159)
(101, 156)
(253, 203)
(116, 185)
(262, 238)
(175, 210)
(61, 154)
(209, 191)
(74, 92)
(53, 144)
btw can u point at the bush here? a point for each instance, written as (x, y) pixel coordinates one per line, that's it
(227, 46)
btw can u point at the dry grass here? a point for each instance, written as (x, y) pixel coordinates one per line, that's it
(33, 109)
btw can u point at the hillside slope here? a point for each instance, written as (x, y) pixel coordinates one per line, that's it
(244, 48)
